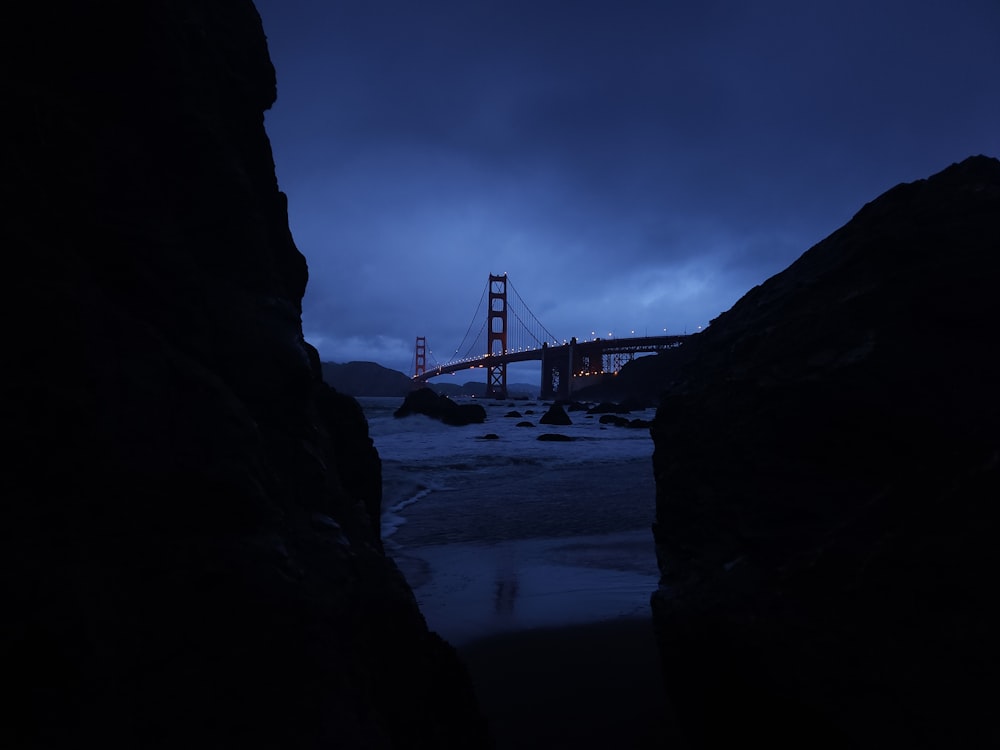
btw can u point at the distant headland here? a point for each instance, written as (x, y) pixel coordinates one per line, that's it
(372, 379)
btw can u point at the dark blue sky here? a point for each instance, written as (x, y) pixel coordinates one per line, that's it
(631, 165)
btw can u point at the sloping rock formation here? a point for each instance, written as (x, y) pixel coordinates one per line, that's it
(827, 461)
(191, 550)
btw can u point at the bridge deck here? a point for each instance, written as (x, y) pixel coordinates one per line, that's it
(574, 349)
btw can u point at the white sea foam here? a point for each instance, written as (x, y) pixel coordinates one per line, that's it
(391, 518)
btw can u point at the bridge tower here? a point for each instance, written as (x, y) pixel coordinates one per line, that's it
(496, 343)
(420, 356)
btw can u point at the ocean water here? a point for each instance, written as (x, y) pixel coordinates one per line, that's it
(516, 533)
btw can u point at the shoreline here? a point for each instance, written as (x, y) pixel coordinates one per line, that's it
(594, 685)
(471, 591)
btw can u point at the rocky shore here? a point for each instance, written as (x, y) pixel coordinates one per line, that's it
(827, 472)
(191, 552)
(191, 546)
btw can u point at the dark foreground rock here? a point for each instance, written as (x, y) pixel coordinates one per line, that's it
(190, 516)
(827, 475)
(427, 402)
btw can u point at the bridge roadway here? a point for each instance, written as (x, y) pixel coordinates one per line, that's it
(580, 358)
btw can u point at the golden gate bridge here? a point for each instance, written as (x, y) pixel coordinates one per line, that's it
(496, 345)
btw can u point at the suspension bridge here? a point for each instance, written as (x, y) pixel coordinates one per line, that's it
(495, 344)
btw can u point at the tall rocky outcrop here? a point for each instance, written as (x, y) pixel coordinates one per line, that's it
(826, 459)
(191, 551)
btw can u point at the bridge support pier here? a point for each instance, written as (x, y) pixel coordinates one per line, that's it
(557, 373)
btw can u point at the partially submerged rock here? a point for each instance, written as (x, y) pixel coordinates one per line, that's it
(608, 407)
(613, 419)
(427, 402)
(556, 415)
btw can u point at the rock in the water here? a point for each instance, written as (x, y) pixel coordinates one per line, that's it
(613, 419)
(525, 424)
(607, 407)
(424, 401)
(827, 476)
(465, 414)
(427, 402)
(190, 516)
(556, 415)
(554, 437)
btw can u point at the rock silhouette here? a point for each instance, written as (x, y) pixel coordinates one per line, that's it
(427, 402)
(556, 415)
(191, 516)
(826, 462)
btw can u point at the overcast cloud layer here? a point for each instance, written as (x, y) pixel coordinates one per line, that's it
(631, 165)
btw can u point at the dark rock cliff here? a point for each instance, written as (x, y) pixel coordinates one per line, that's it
(191, 552)
(827, 475)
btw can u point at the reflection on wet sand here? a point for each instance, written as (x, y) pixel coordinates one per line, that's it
(477, 590)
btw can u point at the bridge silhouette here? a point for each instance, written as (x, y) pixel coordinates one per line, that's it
(566, 364)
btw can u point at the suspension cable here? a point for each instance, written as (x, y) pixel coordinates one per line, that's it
(475, 342)
(533, 316)
(525, 327)
(472, 322)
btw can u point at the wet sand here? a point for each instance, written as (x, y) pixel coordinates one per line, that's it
(471, 591)
(557, 635)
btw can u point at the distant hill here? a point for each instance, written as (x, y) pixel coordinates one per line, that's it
(478, 390)
(366, 379)
(372, 379)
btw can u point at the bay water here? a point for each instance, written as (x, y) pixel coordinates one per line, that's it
(511, 533)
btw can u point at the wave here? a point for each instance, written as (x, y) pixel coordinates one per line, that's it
(421, 493)
(391, 520)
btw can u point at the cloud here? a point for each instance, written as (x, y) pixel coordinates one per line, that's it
(632, 165)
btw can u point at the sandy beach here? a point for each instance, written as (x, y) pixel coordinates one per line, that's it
(537, 564)
(583, 686)
(557, 635)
